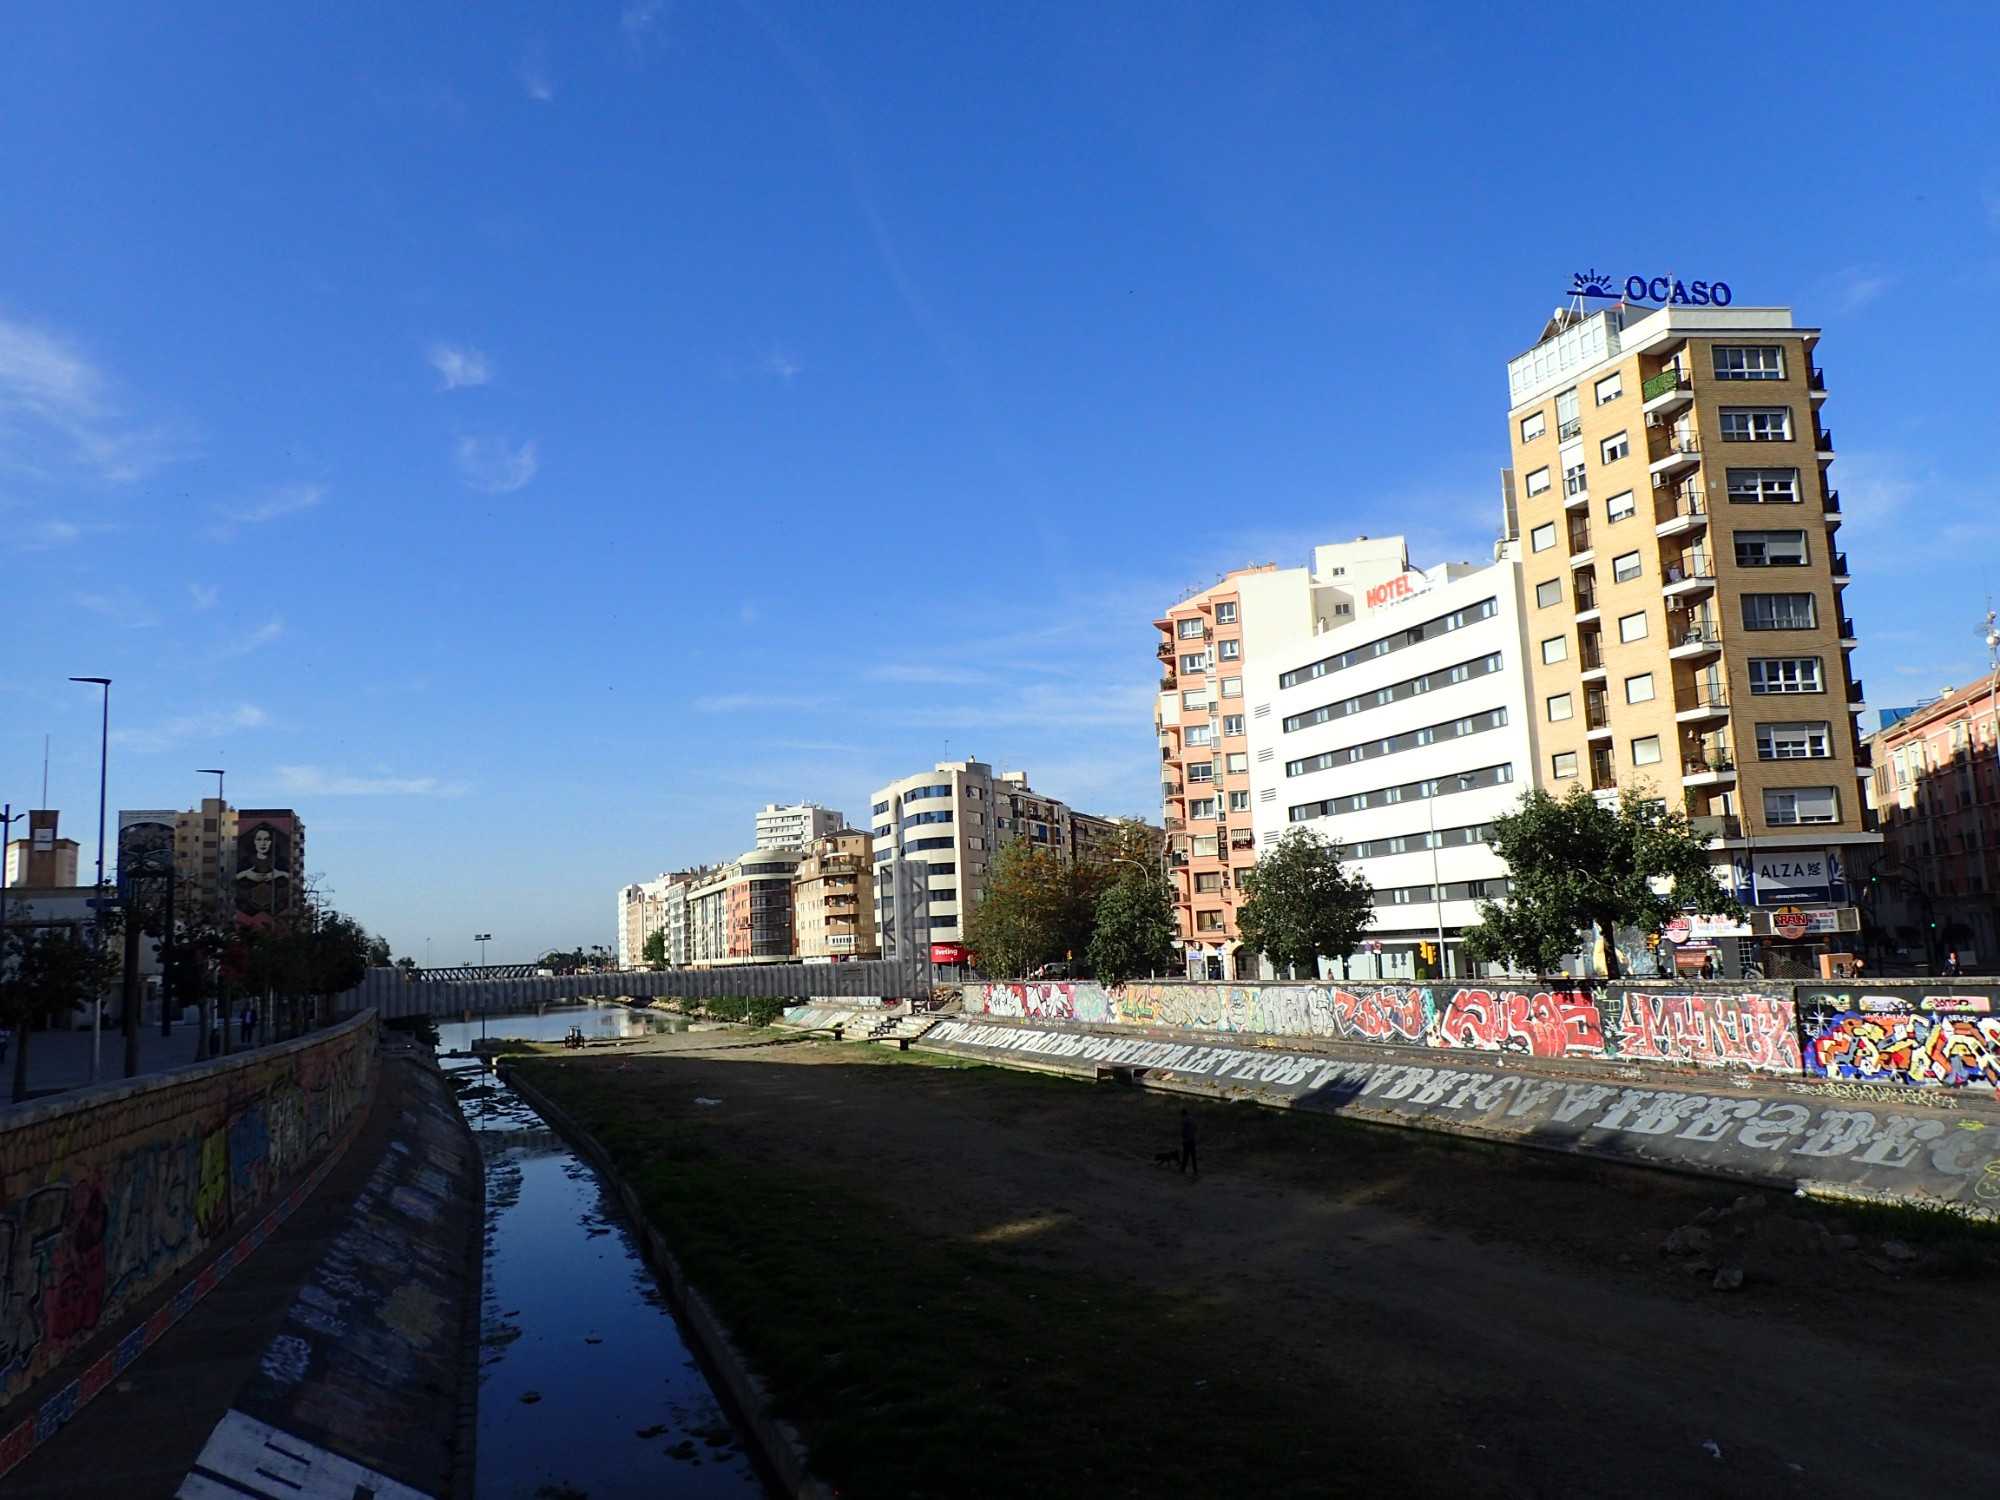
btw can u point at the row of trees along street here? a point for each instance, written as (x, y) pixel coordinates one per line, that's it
(1575, 864)
(287, 970)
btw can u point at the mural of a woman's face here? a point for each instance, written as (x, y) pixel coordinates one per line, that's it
(261, 841)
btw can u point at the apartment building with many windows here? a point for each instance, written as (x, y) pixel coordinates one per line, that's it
(1935, 890)
(833, 897)
(1399, 738)
(795, 825)
(1684, 590)
(1208, 641)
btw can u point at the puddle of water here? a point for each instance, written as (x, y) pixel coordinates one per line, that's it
(572, 1316)
(595, 1021)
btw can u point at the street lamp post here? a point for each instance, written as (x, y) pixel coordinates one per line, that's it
(221, 803)
(482, 938)
(97, 905)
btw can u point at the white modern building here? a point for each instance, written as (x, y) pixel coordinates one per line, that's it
(795, 825)
(946, 817)
(1399, 737)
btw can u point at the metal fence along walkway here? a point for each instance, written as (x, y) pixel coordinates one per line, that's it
(388, 993)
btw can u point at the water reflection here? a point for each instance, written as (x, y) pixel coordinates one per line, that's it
(585, 1386)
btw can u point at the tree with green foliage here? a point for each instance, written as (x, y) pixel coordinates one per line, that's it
(1577, 863)
(46, 968)
(1136, 933)
(654, 951)
(1039, 908)
(1302, 904)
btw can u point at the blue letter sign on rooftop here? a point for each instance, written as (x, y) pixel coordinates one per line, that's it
(1663, 289)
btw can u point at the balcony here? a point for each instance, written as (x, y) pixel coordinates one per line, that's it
(1590, 655)
(1586, 600)
(1847, 635)
(1691, 573)
(1243, 838)
(1692, 639)
(1579, 539)
(1175, 825)
(1596, 720)
(1680, 513)
(1667, 391)
(1167, 684)
(1816, 381)
(1855, 697)
(1719, 826)
(1708, 700)
(1708, 764)
(1823, 442)
(1678, 453)
(1840, 566)
(1567, 430)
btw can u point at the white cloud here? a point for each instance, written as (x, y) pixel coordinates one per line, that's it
(121, 607)
(1854, 287)
(460, 365)
(262, 636)
(731, 703)
(204, 595)
(56, 411)
(271, 502)
(640, 15)
(536, 84)
(924, 673)
(211, 725)
(494, 465)
(315, 781)
(783, 364)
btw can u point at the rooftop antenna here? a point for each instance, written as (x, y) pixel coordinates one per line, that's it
(45, 759)
(1990, 633)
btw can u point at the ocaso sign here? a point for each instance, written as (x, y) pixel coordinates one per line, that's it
(1666, 289)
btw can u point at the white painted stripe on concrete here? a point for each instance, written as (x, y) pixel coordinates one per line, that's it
(246, 1457)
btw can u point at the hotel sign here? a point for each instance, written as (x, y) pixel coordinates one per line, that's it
(1663, 289)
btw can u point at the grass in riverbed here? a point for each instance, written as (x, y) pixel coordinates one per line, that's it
(923, 1366)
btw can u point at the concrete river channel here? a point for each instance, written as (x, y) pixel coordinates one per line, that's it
(586, 1387)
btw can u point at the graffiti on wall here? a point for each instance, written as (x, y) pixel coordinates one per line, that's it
(1906, 1047)
(102, 1200)
(1745, 1030)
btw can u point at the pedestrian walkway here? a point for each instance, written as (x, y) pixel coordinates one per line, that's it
(60, 1060)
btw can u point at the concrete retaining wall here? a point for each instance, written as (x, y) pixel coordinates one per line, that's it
(1900, 1031)
(1765, 1132)
(107, 1193)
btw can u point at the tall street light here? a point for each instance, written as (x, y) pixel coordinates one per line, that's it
(482, 938)
(97, 904)
(216, 909)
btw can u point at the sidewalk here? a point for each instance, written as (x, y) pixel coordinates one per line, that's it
(60, 1060)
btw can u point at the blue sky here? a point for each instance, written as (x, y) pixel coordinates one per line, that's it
(526, 438)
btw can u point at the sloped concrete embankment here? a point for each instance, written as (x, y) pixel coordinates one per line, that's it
(122, 1206)
(1765, 1131)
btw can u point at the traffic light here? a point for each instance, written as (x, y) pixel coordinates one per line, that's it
(1428, 950)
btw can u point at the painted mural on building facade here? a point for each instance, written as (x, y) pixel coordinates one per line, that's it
(1734, 1030)
(102, 1201)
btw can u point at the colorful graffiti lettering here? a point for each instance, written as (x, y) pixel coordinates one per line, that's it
(1751, 1031)
(1874, 1048)
(1048, 1002)
(103, 1199)
(1550, 1023)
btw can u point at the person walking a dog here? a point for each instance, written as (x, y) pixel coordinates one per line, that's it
(1187, 1143)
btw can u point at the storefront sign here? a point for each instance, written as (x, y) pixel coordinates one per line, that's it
(948, 953)
(1793, 877)
(1664, 289)
(1791, 924)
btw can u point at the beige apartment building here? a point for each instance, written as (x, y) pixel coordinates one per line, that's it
(833, 897)
(1206, 641)
(1683, 591)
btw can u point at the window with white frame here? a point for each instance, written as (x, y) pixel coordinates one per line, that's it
(1195, 662)
(1229, 650)
(1625, 567)
(1786, 674)
(1778, 612)
(1232, 687)
(1756, 424)
(1764, 486)
(1615, 447)
(1646, 751)
(1198, 698)
(1568, 413)
(1639, 688)
(1237, 762)
(1562, 765)
(1201, 807)
(1555, 649)
(1805, 740)
(1538, 481)
(1239, 802)
(1620, 507)
(1542, 537)
(1575, 481)
(1225, 614)
(1201, 770)
(1232, 726)
(1200, 734)
(1801, 804)
(1770, 549)
(1610, 388)
(1191, 628)
(1533, 425)
(1632, 627)
(1561, 706)
(1749, 362)
(1549, 591)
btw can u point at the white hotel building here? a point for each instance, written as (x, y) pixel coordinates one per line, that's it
(1400, 736)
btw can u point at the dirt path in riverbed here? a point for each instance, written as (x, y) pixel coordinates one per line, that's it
(1514, 1309)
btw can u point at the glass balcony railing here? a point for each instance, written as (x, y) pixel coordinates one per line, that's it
(1667, 380)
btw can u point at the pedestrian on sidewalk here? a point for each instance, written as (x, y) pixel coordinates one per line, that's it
(1187, 1143)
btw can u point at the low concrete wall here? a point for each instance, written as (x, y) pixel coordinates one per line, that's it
(1899, 1031)
(391, 996)
(1760, 1132)
(106, 1194)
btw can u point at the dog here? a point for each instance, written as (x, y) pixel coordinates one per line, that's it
(1166, 1158)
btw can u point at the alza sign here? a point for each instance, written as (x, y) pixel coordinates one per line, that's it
(1659, 289)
